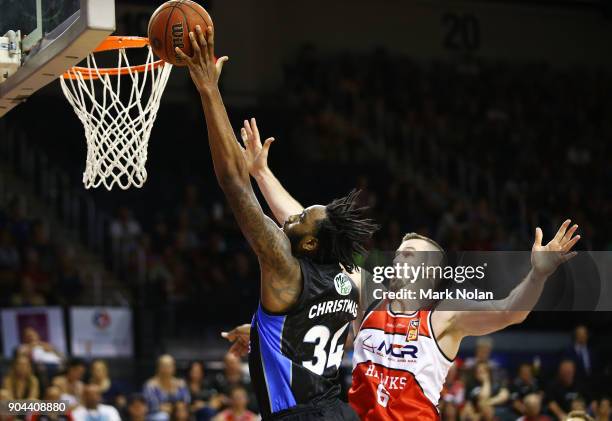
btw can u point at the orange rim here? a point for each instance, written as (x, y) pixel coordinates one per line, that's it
(109, 44)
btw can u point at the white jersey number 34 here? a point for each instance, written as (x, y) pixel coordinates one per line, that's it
(322, 358)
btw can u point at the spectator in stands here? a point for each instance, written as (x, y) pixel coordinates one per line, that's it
(532, 408)
(601, 410)
(453, 392)
(137, 408)
(237, 411)
(71, 382)
(91, 409)
(484, 348)
(180, 412)
(21, 383)
(4, 396)
(580, 353)
(448, 411)
(563, 390)
(53, 393)
(487, 413)
(524, 384)
(578, 416)
(110, 390)
(201, 393)
(62, 384)
(234, 375)
(163, 390)
(484, 392)
(39, 351)
(578, 404)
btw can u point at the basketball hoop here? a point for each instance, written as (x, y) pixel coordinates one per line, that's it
(117, 129)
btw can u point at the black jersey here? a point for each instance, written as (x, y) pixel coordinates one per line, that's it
(295, 356)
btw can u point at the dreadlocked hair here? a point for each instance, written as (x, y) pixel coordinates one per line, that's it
(344, 231)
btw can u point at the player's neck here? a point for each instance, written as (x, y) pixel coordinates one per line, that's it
(409, 306)
(403, 307)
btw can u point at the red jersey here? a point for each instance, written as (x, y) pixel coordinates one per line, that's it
(398, 367)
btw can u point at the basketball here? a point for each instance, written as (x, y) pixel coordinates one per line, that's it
(170, 25)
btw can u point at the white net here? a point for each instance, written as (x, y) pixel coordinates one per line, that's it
(117, 124)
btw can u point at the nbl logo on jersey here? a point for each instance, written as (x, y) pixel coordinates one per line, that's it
(342, 282)
(413, 331)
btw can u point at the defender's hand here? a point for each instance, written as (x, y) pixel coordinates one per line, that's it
(546, 259)
(204, 71)
(255, 154)
(240, 337)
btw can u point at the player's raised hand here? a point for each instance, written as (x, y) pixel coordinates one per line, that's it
(255, 154)
(204, 69)
(546, 259)
(239, 336)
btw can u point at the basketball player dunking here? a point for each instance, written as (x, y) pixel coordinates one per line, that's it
(307, 302)
(402, 356)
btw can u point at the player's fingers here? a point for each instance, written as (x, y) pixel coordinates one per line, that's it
(183, 56)
(234, 349)
(538, 236)
(256, 137)
(571, 243)
(266, 147)
(239, 348)
(229, 336)
(197, 51)
(220, 63)
(255, 129)
(249, 130)
(244, 136)
(203, 44)
(194, 45)
(562, 230)
(568, 234)
(569, 256)
(211, 42)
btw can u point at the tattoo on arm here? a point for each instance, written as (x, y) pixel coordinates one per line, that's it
(280, 271)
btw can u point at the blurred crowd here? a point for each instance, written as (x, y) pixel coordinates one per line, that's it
(34, 269)
(39, 371)
(473, 154)
(480, 388)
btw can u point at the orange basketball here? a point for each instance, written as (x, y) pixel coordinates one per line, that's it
(170, 25)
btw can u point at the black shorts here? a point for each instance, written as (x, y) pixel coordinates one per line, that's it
(333, 411)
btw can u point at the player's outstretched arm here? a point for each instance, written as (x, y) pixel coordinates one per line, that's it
(281, 275)
(484, 317)
(282, 204)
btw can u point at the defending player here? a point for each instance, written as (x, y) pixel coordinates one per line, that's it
(402, 356)
(307, 302)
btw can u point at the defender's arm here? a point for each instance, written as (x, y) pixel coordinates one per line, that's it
(282, 204)
(484, 317)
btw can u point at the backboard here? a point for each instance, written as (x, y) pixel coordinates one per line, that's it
(47, 37)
